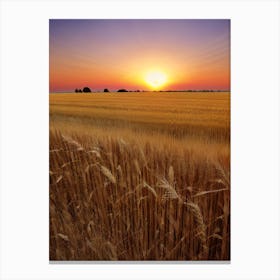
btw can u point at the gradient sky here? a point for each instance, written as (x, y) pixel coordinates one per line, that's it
(113, 54)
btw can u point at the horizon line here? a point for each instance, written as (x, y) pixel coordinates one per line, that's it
(139, 90)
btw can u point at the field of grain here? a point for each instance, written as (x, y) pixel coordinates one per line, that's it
(140, 176)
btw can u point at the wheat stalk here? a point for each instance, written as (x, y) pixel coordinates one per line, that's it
(137, 166)
(150, 189)
(201, 228)
(208, 192)
(170, 192)
(63, 236)
(73, 142)
(108, 174)
(171, 174)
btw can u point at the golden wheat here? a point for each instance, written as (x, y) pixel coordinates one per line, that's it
(135, 188)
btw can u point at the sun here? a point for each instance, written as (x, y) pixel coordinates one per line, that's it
(156, 79)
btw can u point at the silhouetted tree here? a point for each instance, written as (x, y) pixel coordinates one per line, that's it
(86, 89)
(76, 90)
(122, 90)
(106, 90)
(80, 90)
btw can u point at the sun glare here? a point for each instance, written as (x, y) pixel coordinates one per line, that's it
(155, 79)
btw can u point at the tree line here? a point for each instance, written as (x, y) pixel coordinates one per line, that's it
(87, 89)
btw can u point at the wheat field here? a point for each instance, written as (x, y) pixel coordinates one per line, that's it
(140, 176)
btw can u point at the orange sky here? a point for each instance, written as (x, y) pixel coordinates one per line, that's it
(192, 54)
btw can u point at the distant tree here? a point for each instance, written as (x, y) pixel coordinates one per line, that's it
(86, 89)
(80, 90)
(122, 90)
(106, 90)
(76, 90)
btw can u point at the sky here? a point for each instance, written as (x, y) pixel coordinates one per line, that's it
(139, 54)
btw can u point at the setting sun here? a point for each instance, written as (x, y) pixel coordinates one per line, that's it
(155, 79)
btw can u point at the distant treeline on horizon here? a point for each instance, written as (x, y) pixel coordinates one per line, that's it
(88, 90)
